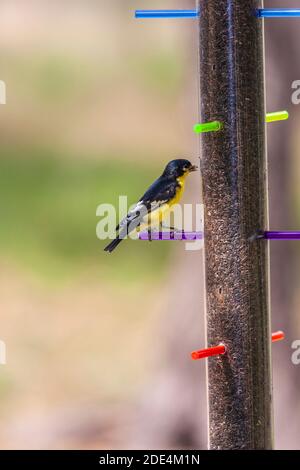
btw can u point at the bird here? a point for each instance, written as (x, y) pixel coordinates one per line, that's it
(157, 201)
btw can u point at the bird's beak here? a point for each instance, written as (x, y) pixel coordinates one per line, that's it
(193, 168)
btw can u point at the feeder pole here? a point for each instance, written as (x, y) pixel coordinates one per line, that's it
(233, 164)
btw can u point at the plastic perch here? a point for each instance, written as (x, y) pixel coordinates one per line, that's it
(214, 126)
(277, 116)
(281, 235)
(166, 13)
(207, 127)
(177, 235)
(174, 235)
(278, 13)
(260, 13)
(221, 349)
(189, 236)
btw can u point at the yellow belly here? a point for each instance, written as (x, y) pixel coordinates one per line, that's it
(179, 191)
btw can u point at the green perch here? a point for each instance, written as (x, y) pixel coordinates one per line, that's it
(217, 125)
(277, 116)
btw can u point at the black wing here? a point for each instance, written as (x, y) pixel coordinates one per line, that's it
(160, 192)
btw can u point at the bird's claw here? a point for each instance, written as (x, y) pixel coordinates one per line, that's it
(258, 235)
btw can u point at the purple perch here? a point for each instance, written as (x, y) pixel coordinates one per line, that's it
(282, 235)
(181, 235)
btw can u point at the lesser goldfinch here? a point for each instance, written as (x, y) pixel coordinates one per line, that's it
(156, 202)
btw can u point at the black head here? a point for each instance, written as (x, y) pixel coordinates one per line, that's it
(180, 167)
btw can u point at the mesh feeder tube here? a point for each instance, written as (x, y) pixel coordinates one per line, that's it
(234, 174)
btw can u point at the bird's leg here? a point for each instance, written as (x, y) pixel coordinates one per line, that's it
(259, 234)
(172, 229)
(149, 229)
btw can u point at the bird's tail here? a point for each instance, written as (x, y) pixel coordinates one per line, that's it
(112, 245)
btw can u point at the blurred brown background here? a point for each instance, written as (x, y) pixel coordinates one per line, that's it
(98, 346)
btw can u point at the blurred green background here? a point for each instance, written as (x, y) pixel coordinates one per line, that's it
(77, 129)
(95, 108)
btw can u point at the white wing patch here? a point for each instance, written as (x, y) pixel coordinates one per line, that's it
(134, 213)
(140, 211)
